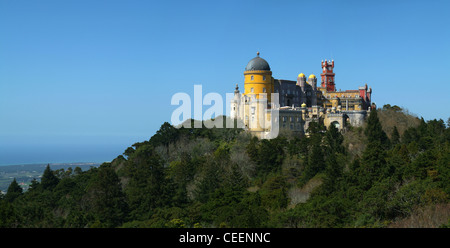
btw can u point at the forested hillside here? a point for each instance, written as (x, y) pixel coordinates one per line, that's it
(392, 172)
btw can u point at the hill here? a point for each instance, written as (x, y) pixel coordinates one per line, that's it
(25, 173)
(200, 177)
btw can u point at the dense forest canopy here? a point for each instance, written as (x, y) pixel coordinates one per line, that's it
(392, 172)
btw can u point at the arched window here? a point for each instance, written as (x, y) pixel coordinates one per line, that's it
(264, 78)
(251, 77)
(251, 89)
(264, 90)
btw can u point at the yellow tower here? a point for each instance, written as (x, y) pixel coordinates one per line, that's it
(258, 78)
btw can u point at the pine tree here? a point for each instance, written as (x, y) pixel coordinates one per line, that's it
(235, 179)
(165, 135)
(316, 162)
(374, 131)
(107, 200)
(33, 185)
(8, 215)
(395, 136)
(49, 180)
(334, 140)
(373, 160)
(209, 183)
(147, 184)
(14, 191)
(333, 172)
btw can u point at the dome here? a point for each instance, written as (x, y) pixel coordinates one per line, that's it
(303, 105)
(312, 76)
(301, 75)
(257, 64)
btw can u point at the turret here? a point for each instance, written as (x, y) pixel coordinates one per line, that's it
(303, 108)
(234, 111)
(312, 80)
(258, 78)
(328, 75)
(301, 79)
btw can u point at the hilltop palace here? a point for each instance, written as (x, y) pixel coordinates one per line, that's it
(298, 103)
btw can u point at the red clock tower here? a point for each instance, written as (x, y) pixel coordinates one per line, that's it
(328, 75)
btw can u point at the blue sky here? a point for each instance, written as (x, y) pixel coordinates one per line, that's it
(103, 72)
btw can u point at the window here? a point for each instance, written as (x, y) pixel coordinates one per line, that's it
(264, 90)
(251, 77)
(264, 78)
(251, 89)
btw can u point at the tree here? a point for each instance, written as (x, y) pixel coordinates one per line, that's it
(373, 160)
(395, 136)
(334, 140)
(333, 172)
(49, 180)
(147, 184)
(33, 185)
(165, 135)
(252, 149)
(267, 154)
(274, 193)
(374, 131)
(270, 154)
(209, 182)
(235, 178)
(232, 207)
(107, 200)
(316, 162)
(8, 215)
(128, 151)
(14, 191)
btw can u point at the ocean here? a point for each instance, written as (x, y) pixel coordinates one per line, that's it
(14, 152)
(31, 154)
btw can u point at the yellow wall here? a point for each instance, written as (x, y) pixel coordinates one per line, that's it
(258, 83)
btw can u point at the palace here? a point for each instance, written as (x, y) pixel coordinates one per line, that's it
(298, 102)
